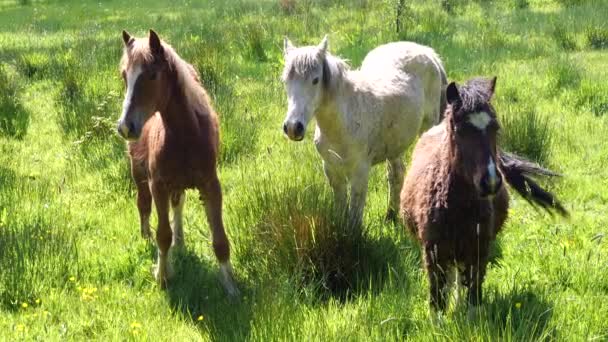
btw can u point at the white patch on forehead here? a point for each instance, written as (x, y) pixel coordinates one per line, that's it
(132, 76)
(480, 120)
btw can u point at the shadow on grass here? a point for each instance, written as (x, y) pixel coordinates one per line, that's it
(196, 292)
(521, 315)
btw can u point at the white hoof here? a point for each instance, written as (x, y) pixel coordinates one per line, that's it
(227, 279)
(163, 274)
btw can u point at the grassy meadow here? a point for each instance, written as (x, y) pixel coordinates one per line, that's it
(74, 267)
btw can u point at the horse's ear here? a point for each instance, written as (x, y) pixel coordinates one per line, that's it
(126, 37)
(323, 45)
(287, 46)
(326, 73)
(451, 93)
(155, 45)
(492, 86)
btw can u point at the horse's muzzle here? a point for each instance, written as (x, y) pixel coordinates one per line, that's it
(489, 185)
(294, 130)
(128, 130)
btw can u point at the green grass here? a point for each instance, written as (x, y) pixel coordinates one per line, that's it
(72, 263)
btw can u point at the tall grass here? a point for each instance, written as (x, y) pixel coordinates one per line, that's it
(14, 118)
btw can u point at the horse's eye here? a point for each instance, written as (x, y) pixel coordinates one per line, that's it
(315, 80)
(153, 75)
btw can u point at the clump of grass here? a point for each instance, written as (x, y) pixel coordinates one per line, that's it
(255, 39)
(593, 97)
(14, 118)
(35, 257)
(33, 65)
(564, 73)
(297, 231)
(563, 38)
(597, 37)
(527, 133)
(521, 4)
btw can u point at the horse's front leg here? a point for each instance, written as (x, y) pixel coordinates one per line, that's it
(358, 193)
(395, 172)
(337, 180)
(163, 233)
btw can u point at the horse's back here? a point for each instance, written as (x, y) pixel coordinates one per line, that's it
(410, 65)
(403, 56)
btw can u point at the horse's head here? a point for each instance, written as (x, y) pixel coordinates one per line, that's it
(306, 75)
(474, 130)
(144, 68)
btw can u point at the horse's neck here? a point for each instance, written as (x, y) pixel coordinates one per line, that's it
(332, 117)
(178, 114)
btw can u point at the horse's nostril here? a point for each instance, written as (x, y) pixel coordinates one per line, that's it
(285, 128)
(299, 129)
(131, 128)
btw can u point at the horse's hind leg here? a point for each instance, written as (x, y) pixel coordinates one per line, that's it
(395, 172)
(177, 203)
(163, 234)
(211, 193)
(144, 199)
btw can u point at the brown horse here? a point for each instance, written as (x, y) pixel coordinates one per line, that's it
(453, 198)
(173, 145)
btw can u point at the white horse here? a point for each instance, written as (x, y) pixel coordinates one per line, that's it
(364, 116)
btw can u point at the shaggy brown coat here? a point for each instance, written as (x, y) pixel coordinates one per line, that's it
(442, 201)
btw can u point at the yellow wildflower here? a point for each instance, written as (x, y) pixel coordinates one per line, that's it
(24, 305)
(200, 318)
(20, 327)
(135, 325)
(37, 301)
(517, 305)
(72, 279)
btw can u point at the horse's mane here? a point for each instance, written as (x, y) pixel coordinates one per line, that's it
(302, 62)
(187, 77)
(475, 94)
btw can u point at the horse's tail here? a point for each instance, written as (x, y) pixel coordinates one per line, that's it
(518, 172)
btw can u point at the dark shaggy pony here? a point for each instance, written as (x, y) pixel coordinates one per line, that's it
(453, 198)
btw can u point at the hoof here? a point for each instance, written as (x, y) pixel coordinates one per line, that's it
(227, 280)
(163, 276)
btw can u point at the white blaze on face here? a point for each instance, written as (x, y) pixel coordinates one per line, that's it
(132, 76)
(493, 177)
(480, 120)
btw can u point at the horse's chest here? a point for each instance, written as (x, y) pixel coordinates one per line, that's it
(178, 168)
